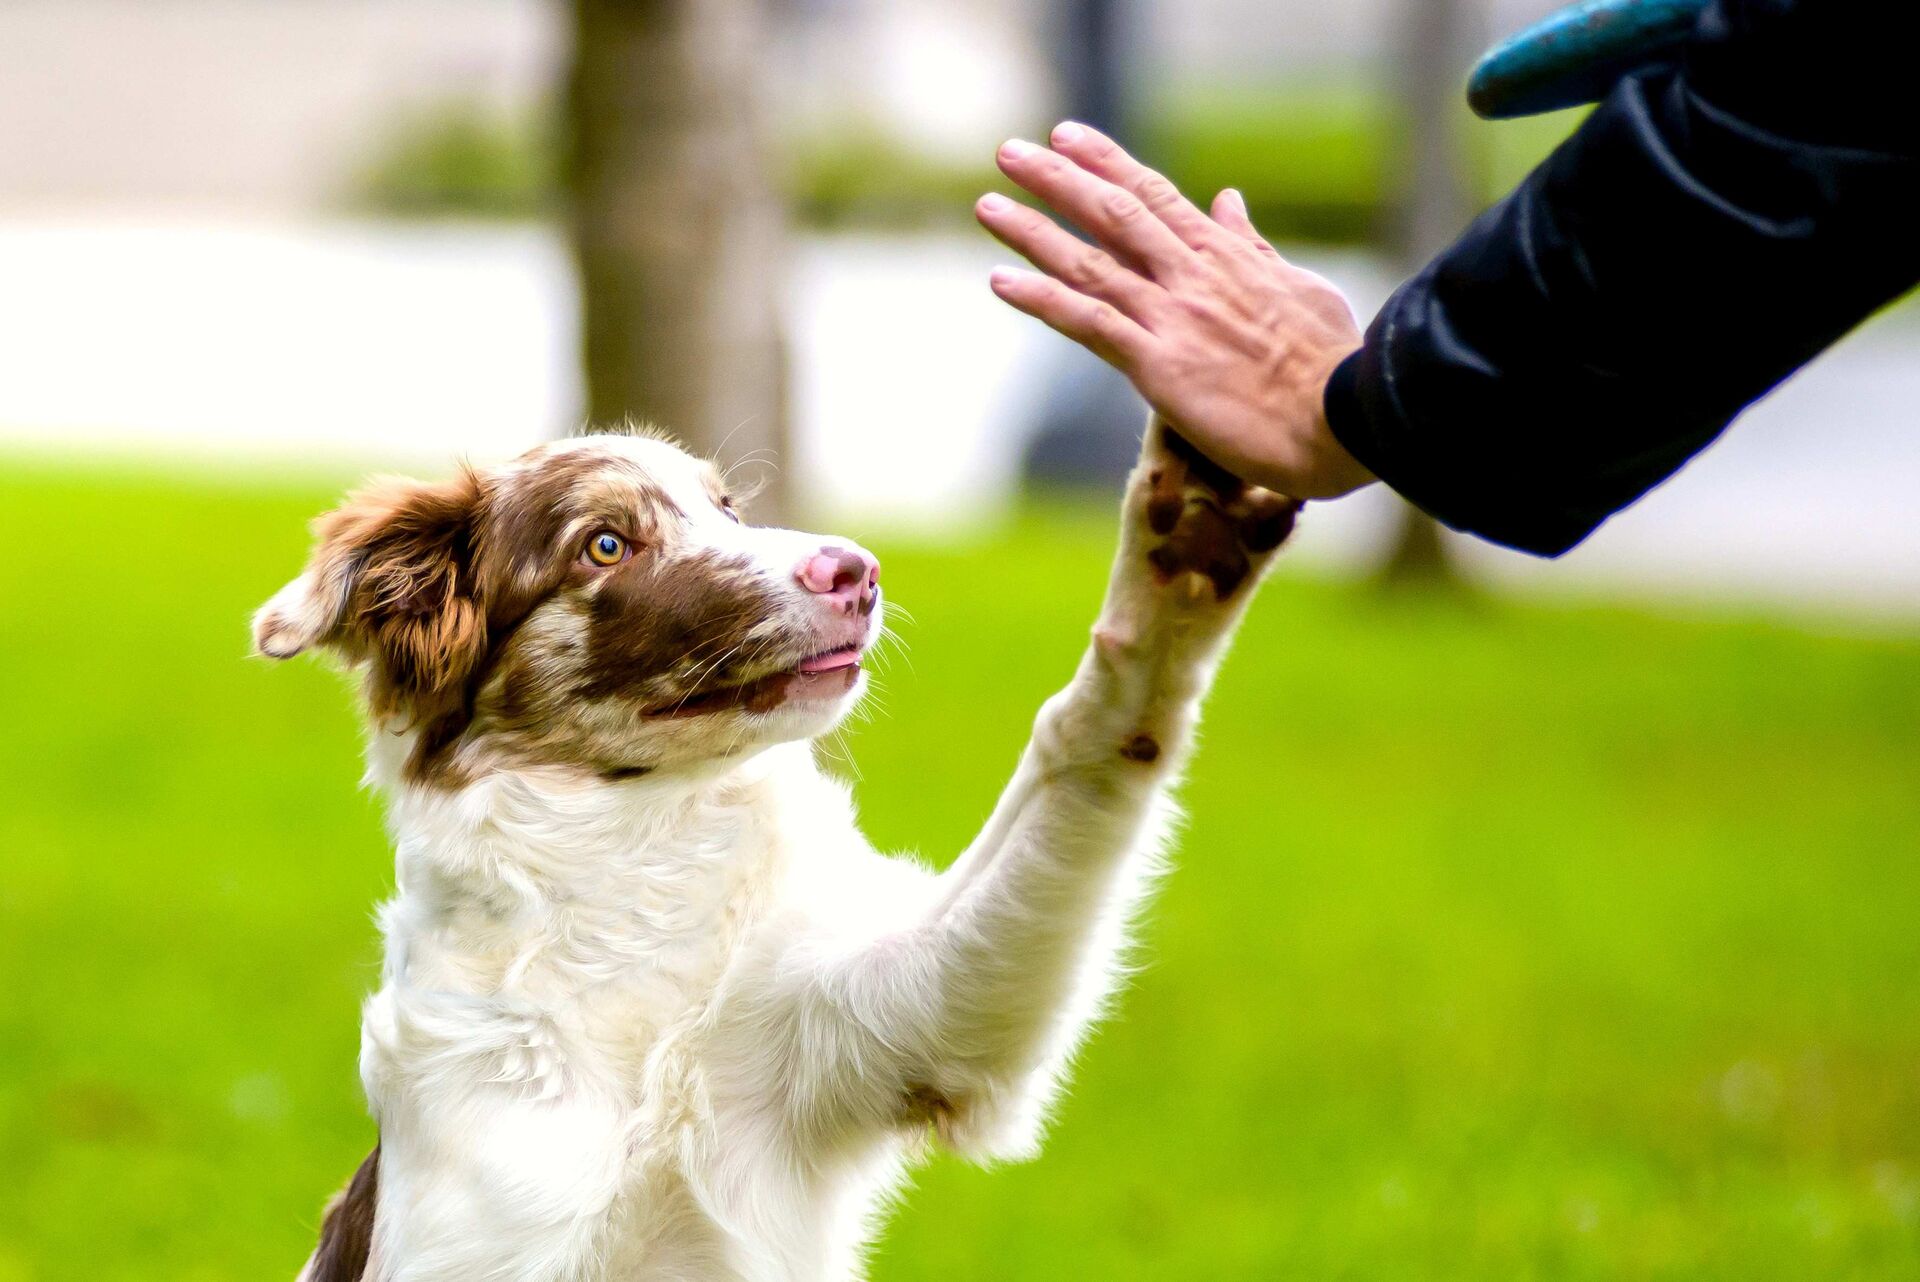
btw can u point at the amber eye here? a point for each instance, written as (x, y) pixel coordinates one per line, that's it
(606, 548)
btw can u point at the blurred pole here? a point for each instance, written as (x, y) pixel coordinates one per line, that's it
(1092, 52)
(1085, 430)
(677, 226)
(1434, 42)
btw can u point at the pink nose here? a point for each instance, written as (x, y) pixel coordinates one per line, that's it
(849, 577)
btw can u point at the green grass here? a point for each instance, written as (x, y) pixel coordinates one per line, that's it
(1506, 942)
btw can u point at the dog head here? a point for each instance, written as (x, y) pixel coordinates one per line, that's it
(598, 604)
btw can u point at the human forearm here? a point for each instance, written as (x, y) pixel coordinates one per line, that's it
(1666, 266)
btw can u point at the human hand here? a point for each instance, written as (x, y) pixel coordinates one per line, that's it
(1231, 343)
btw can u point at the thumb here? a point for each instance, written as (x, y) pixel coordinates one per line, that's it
(1230, 211)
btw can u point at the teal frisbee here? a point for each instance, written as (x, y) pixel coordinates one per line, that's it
(1576, 55)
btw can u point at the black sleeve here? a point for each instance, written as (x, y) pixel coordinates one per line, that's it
(1710, 228)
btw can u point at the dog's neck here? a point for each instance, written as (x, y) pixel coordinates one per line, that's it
(556, 869)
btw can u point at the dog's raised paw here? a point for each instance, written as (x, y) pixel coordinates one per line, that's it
(1206, 525)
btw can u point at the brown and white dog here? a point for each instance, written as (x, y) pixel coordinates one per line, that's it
(652, 1008)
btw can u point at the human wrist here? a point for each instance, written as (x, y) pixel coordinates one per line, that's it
(1325, 468)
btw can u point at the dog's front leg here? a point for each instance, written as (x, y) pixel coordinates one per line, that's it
(978, 1006)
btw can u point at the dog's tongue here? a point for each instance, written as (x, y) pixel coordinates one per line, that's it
(832, 662)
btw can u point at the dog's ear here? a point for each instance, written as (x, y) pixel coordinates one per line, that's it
(391, 584)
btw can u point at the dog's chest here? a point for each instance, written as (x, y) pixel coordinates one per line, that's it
(593, 997)
(634, 969)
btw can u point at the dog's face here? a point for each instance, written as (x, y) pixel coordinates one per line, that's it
(598, 605)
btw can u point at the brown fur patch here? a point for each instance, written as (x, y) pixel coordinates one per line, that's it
(1201, 469)
(1143, 748)
(1211, 521)
(618, 774)
(524, 551)
(410, 607)
(1204, 542)
(672, 628)
(1166, 501)
(923, 1106)
(346, 1232)
(1265, 519)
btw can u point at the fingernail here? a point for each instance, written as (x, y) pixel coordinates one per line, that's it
(994, 203)
(1000, 277)
(1239, 201)
(1069, 132)
(1017, 148)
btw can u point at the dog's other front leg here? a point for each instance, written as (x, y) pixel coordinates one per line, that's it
(977, 1007)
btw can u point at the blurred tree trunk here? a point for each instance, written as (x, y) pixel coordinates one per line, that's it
(678, 228)
(1433, 46)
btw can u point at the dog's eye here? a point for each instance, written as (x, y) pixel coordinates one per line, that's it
(606, 548)
(733, 513)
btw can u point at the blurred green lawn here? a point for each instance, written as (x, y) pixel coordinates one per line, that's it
(1506, 941)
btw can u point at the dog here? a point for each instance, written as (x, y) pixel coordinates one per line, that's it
(651, 1006)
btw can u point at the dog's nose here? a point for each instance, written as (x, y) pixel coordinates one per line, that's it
(848, 576)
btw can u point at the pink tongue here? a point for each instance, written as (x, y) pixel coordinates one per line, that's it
(832, 662)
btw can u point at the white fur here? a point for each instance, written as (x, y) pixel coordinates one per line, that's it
(692, 1025)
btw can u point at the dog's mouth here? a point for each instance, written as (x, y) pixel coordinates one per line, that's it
(823, 675)
(847, 656)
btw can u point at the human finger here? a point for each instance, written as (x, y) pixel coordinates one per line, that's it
(1085, 268)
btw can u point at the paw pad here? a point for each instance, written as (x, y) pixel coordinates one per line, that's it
(1213, 523)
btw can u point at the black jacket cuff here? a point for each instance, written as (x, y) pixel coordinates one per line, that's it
(1454, 491)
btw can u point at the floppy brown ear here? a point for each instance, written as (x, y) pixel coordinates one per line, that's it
(390, 583)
